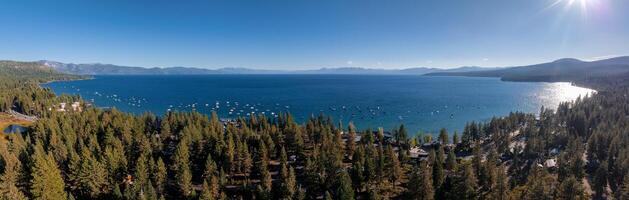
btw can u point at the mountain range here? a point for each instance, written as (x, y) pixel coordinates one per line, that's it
(109, 69)
(566, 69)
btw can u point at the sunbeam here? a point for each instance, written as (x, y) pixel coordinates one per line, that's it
(572, 4)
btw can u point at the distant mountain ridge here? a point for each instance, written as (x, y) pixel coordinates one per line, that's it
(109, 69)
(566, 69)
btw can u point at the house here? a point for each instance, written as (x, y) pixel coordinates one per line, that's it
(431, 145)
(76, 106)
(386, 136)
(62, 107)
(417, 153)
(550, 163)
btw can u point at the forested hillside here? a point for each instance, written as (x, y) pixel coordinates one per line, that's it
(108, 154)
(567, 70)
(20, 91)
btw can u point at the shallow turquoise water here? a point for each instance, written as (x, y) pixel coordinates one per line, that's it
(420, 102)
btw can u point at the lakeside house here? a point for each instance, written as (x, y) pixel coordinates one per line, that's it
(418, 153)
(386, 136)
(75, 106)
(62, 107)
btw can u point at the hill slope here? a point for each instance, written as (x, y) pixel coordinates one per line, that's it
(567, 69)
(14, 70)
(109, 69)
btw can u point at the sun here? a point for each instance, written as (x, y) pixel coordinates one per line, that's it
(571, 4)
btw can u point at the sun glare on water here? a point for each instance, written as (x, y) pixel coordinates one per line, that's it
(555, 93)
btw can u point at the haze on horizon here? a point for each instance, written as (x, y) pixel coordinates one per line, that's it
(294, 35)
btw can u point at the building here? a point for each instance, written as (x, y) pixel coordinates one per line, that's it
(550, 163)
(76, 106)
(417, 153)
(62, 107)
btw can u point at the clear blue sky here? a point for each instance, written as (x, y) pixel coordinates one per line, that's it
(309, 34)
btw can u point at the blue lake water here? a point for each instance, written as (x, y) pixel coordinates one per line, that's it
(422, 103)
(14, 128)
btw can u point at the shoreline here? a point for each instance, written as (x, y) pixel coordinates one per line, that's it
(430, 130)
(80, 79)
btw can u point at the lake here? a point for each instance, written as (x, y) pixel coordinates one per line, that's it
(421, 103)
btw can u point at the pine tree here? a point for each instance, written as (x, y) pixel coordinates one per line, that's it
(265, 186)
(117, 194)
(210, 167)
(74, 170)
(443, 136)
(141, 171)
(182, 167)
(287, 182)
(477, 159)
(160, 175)
(438, 175)
(291, 182)
(428, 190)
(247, 161)
(11, 192)
(229, 153)
(500, 187)
(357, 169)
(92, 176)
(539, 184)
(455, 138)
(283, 156)
(114, 160)
(402, 137)
(9, 179)
(301, 194)
(600, 179)
(344, 190)
(420, 185)
(150, 192)
(265, 183)
(395, 167)
(414, 185)
(381, 171)
(466, 187)
(380, 135)
(571, 189)
(47, 182)
(370, 168)
(451, 163)
(351, 136)
(427, 138)
(206, 193)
